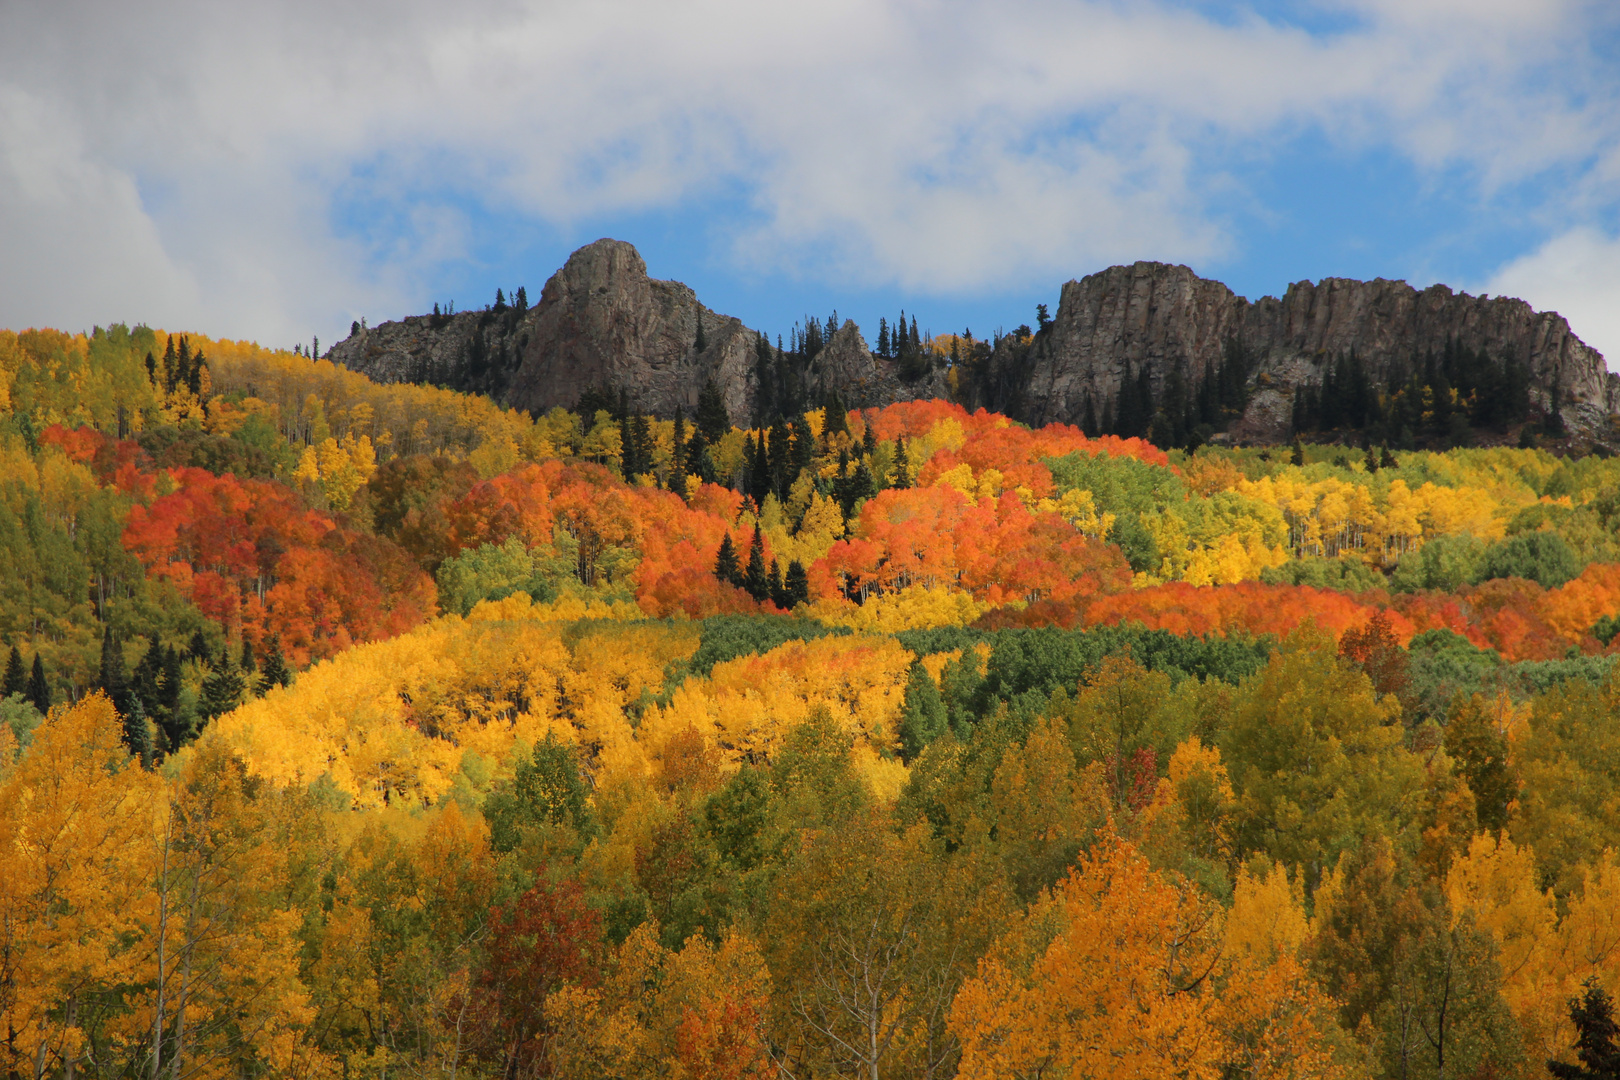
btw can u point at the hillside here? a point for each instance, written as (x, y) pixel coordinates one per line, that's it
(1148, 350)
(353, 728)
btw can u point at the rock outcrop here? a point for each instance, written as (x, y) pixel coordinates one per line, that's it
(1113, 323)
(602, 322)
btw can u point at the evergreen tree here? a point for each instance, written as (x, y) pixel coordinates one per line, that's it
(883, 338)
(1372, 463)
(500, 300)
(923, 718)
(39, 688)
(837, 417)
(1597, 1038)
(1089, 424)
(1297, 458)
(147, 682)
(755, 579)
(902, 471)
(777, 590)
(521, 301)
(16, 675)
(868, 440)
(275, 672)
(114, 679)
(198, 650)
(1042, 319)
(700, 343)
(138, 733)
(222, 689)
(1386, 460)
(796, 585)
(712, 420)
(250, 669)
(725, 562)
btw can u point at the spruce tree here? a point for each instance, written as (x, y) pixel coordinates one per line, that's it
(147, 681)
(712, 420)
(198, 650)
(138, 733)
(222, 689)
(883, 338)
(521, 300)
(778, 591)
(755, 579)
(39, 688)
(868, 440)
(16, 675)
(1597, 1038)
(275, 671)
(700, 343)
(114, 679)
(1298, 456)
(250, 669)
(795, 585)
(902, 470)
(725, 561)
(923, 718)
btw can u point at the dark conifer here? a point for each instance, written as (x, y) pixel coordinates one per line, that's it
(1386, 460)
(114, 679)
(275, 672)
(521, 300)
(837, 417)
(725, 561)
(700, 343)
(146, 684)
(778, 591)
(198, 650)
(39, 687)
(222, 689)
(712, 420)
(16, 675)
(1597, 1038)
(755, 579)
(795, 585)
(1298, 456)
(868, 439)
(883, 338)
(902, 471)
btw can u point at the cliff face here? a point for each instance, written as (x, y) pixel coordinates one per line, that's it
(1166, 317)
(602, 322)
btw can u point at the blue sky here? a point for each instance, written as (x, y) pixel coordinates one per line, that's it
(275, 171)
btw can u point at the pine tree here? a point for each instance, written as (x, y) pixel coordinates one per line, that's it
(712, 420)
(868, 440)
(1372, 463)
(837, 417)
(1386, 460)
(146, 684)
(39, 688)
(777, 590)
(725, 562)
(521, 300)
(113, 677)
(902, 470)
(250, 669)
(1298, 456)
(700, 343)
(275, 671)
(796, 585)
(923, 718)
(222, 689)
(1597, 1038)
(883, 338)
(755, 579)
(16, 675)
(198, 650)
(500, 300)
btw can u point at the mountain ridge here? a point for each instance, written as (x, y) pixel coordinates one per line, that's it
(603, 323)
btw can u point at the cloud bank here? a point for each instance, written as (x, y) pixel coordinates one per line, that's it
(258, 169)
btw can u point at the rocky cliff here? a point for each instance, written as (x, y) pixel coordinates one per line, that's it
(602, 322)
(1167, 319)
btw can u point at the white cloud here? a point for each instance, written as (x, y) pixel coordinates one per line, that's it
(1578, 276)
(204, 149)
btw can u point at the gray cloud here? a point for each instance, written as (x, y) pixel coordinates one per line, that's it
(186, 162)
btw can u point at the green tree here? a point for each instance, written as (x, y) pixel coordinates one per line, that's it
(16, 681)
(1480, 752)
(923, 718)
(1597, 1038)
(1316, 759)
(725, 562)
(546, 790)
(39, 688)
(275, 671)
(796, 584)
(755, 579)
(222, 688)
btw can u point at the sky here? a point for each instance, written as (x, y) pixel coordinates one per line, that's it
(275, 171)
